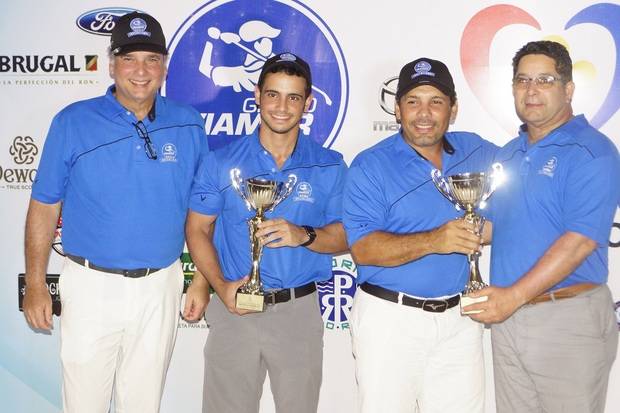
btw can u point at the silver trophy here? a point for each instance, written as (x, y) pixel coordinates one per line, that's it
(468, 192)
(262, 196)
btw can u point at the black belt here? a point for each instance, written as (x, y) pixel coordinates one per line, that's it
(137, 273)
(433, 306)
(282, 296)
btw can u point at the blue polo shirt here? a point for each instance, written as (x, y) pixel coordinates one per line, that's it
(567, 181)
(120, 208)
(389, 188)
(316, 200)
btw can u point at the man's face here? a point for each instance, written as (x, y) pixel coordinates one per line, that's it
(282, 102)
(541, 106)
(425, 113)
(137, 76)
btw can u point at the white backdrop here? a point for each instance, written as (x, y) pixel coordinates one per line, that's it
(365, 45)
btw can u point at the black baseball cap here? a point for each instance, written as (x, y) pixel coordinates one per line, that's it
(286, 59)
(425, 71)
(137, 31)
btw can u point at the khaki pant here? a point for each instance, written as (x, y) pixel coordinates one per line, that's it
(286, 340)
(555, 357)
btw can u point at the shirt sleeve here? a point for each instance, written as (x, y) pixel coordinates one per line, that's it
(55, 165)
(364, 207)
(206, 197)
(591, 197)
(333, 212)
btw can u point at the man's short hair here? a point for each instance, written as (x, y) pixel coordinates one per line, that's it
(554, 50)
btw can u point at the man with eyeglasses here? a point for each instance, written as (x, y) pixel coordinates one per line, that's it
(554, 332)
(121, 165)
(300, 236)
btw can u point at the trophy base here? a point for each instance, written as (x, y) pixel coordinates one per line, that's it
(465, 301)
(251, 302)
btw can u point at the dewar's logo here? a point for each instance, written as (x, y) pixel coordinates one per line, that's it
(101, 21)
(217, 54)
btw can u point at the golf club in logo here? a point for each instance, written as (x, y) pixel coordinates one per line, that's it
(217, 55)
(261, 196)
(469, 191)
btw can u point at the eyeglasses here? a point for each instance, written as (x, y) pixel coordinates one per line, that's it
(151, 153)
(540, 81)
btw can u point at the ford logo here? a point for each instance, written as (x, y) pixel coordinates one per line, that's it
(101, 21)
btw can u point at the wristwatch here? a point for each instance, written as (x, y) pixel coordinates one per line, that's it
(311, 235)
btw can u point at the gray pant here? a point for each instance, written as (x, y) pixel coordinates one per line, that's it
(555, 357)
(285, 340)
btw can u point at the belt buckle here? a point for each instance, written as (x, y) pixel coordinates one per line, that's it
(270, 298)
(435, 306)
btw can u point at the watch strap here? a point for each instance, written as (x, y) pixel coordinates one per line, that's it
(311, 235)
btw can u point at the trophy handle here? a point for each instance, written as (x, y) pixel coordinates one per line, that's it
(239, 184)
(496, 178)
(285, 190)
(443, 187)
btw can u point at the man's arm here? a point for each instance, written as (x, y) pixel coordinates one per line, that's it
(390, 250)
(199, 234)
(197, 298)
(276, 233)
(40, 226)
(559, 261)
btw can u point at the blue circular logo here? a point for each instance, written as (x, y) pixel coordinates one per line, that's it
(137, 24)
(422, 67)
(217, 54)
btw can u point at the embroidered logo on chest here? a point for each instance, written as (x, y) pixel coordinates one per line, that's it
(549, 167)
(168, 153)
(303, 192)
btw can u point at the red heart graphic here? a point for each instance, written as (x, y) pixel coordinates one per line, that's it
(475, 45)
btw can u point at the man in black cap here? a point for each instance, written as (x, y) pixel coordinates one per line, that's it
(300, 236)
(410, 342)
(121, 165)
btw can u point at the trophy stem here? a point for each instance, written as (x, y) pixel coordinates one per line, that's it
(254, 284)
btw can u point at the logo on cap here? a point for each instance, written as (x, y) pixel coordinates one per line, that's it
(138, 26)
(422, 69)
(288, 57)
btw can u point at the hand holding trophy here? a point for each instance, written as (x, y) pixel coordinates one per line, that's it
(468, 192)
(262, 196)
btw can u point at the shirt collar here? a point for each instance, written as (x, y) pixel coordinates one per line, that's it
(412, 153)
(113, 108)
(300, 146)
(563, 132)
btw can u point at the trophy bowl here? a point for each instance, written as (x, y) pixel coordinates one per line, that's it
(469, 192)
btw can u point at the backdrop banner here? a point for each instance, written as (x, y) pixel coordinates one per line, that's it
(55, 53)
